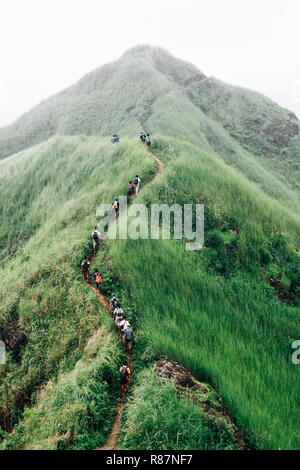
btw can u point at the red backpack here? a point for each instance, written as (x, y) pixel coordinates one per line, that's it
(98, 278)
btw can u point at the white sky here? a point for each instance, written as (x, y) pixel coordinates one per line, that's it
(46, 45)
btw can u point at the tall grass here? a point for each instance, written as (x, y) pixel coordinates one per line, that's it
(157, 418)
(49, 205)
(212, 310)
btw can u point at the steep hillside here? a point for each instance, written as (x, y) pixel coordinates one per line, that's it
(227, 313)
(148, 85)
(57, 188)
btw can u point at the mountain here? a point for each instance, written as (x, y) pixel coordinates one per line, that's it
(228, 314)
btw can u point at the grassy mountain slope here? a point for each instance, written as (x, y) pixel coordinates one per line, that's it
(41, 286)
(229, 312)
(119, 96)
(213, 310)
(103, 102)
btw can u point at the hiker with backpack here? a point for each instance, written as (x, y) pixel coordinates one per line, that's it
(123, 325)
(124, 376)
(96, 239)
(115, 139)
(116, 207)
(113, 303)
(130, 189)
(118, 316)
(148, 142)
(85, 269)
(129, 338)
(137, 183)
(97, 280)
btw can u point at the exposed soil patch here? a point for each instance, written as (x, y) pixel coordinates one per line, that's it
(14, 337)
(285, 296)
(200, 393)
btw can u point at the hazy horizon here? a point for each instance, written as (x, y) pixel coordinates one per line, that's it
(51, 46)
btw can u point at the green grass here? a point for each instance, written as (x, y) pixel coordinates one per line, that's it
(159, 418)
(212, 310)
(171, 97)
(82, 402)
(45, 242)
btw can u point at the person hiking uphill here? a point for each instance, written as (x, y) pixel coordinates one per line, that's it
(130, 189)
(148, 142)
(118, 316)
(115, 139)
(137, 183)
(116, 207)
(128, 338)
(96, 239)
(123, 325)
(124, 376)
(113, 303)
(97, 280)
(85, 269)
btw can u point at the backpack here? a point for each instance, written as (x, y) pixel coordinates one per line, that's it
(124, 372)
(115, 206)
(95, 235)
(119, 312)
(98, 278)
(114, 302)
(136, 181)
(86, 266)
(128, 334)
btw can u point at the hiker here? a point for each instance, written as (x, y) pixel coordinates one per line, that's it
(128, 338)
(118, 316)
(115, 139)
(130, 189)
(98, 281)
(124, 376)
(148, 142)
(85, 269)
(143, 137)
(96, 239)
(113, 303)
(123, 325)
(137, 183)
(116, 207)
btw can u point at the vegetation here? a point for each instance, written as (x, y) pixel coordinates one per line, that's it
(41, 285)
(229, 312)
(219, 317)
(158, 418)
(77, 412)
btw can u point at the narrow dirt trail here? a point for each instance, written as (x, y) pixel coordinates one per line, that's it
(112, 441)
(160, 164)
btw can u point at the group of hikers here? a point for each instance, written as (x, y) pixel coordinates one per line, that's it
(115, 139)
(122, 323)
(119, 317)
(144, 138)
(133, 187)
(117, 312)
